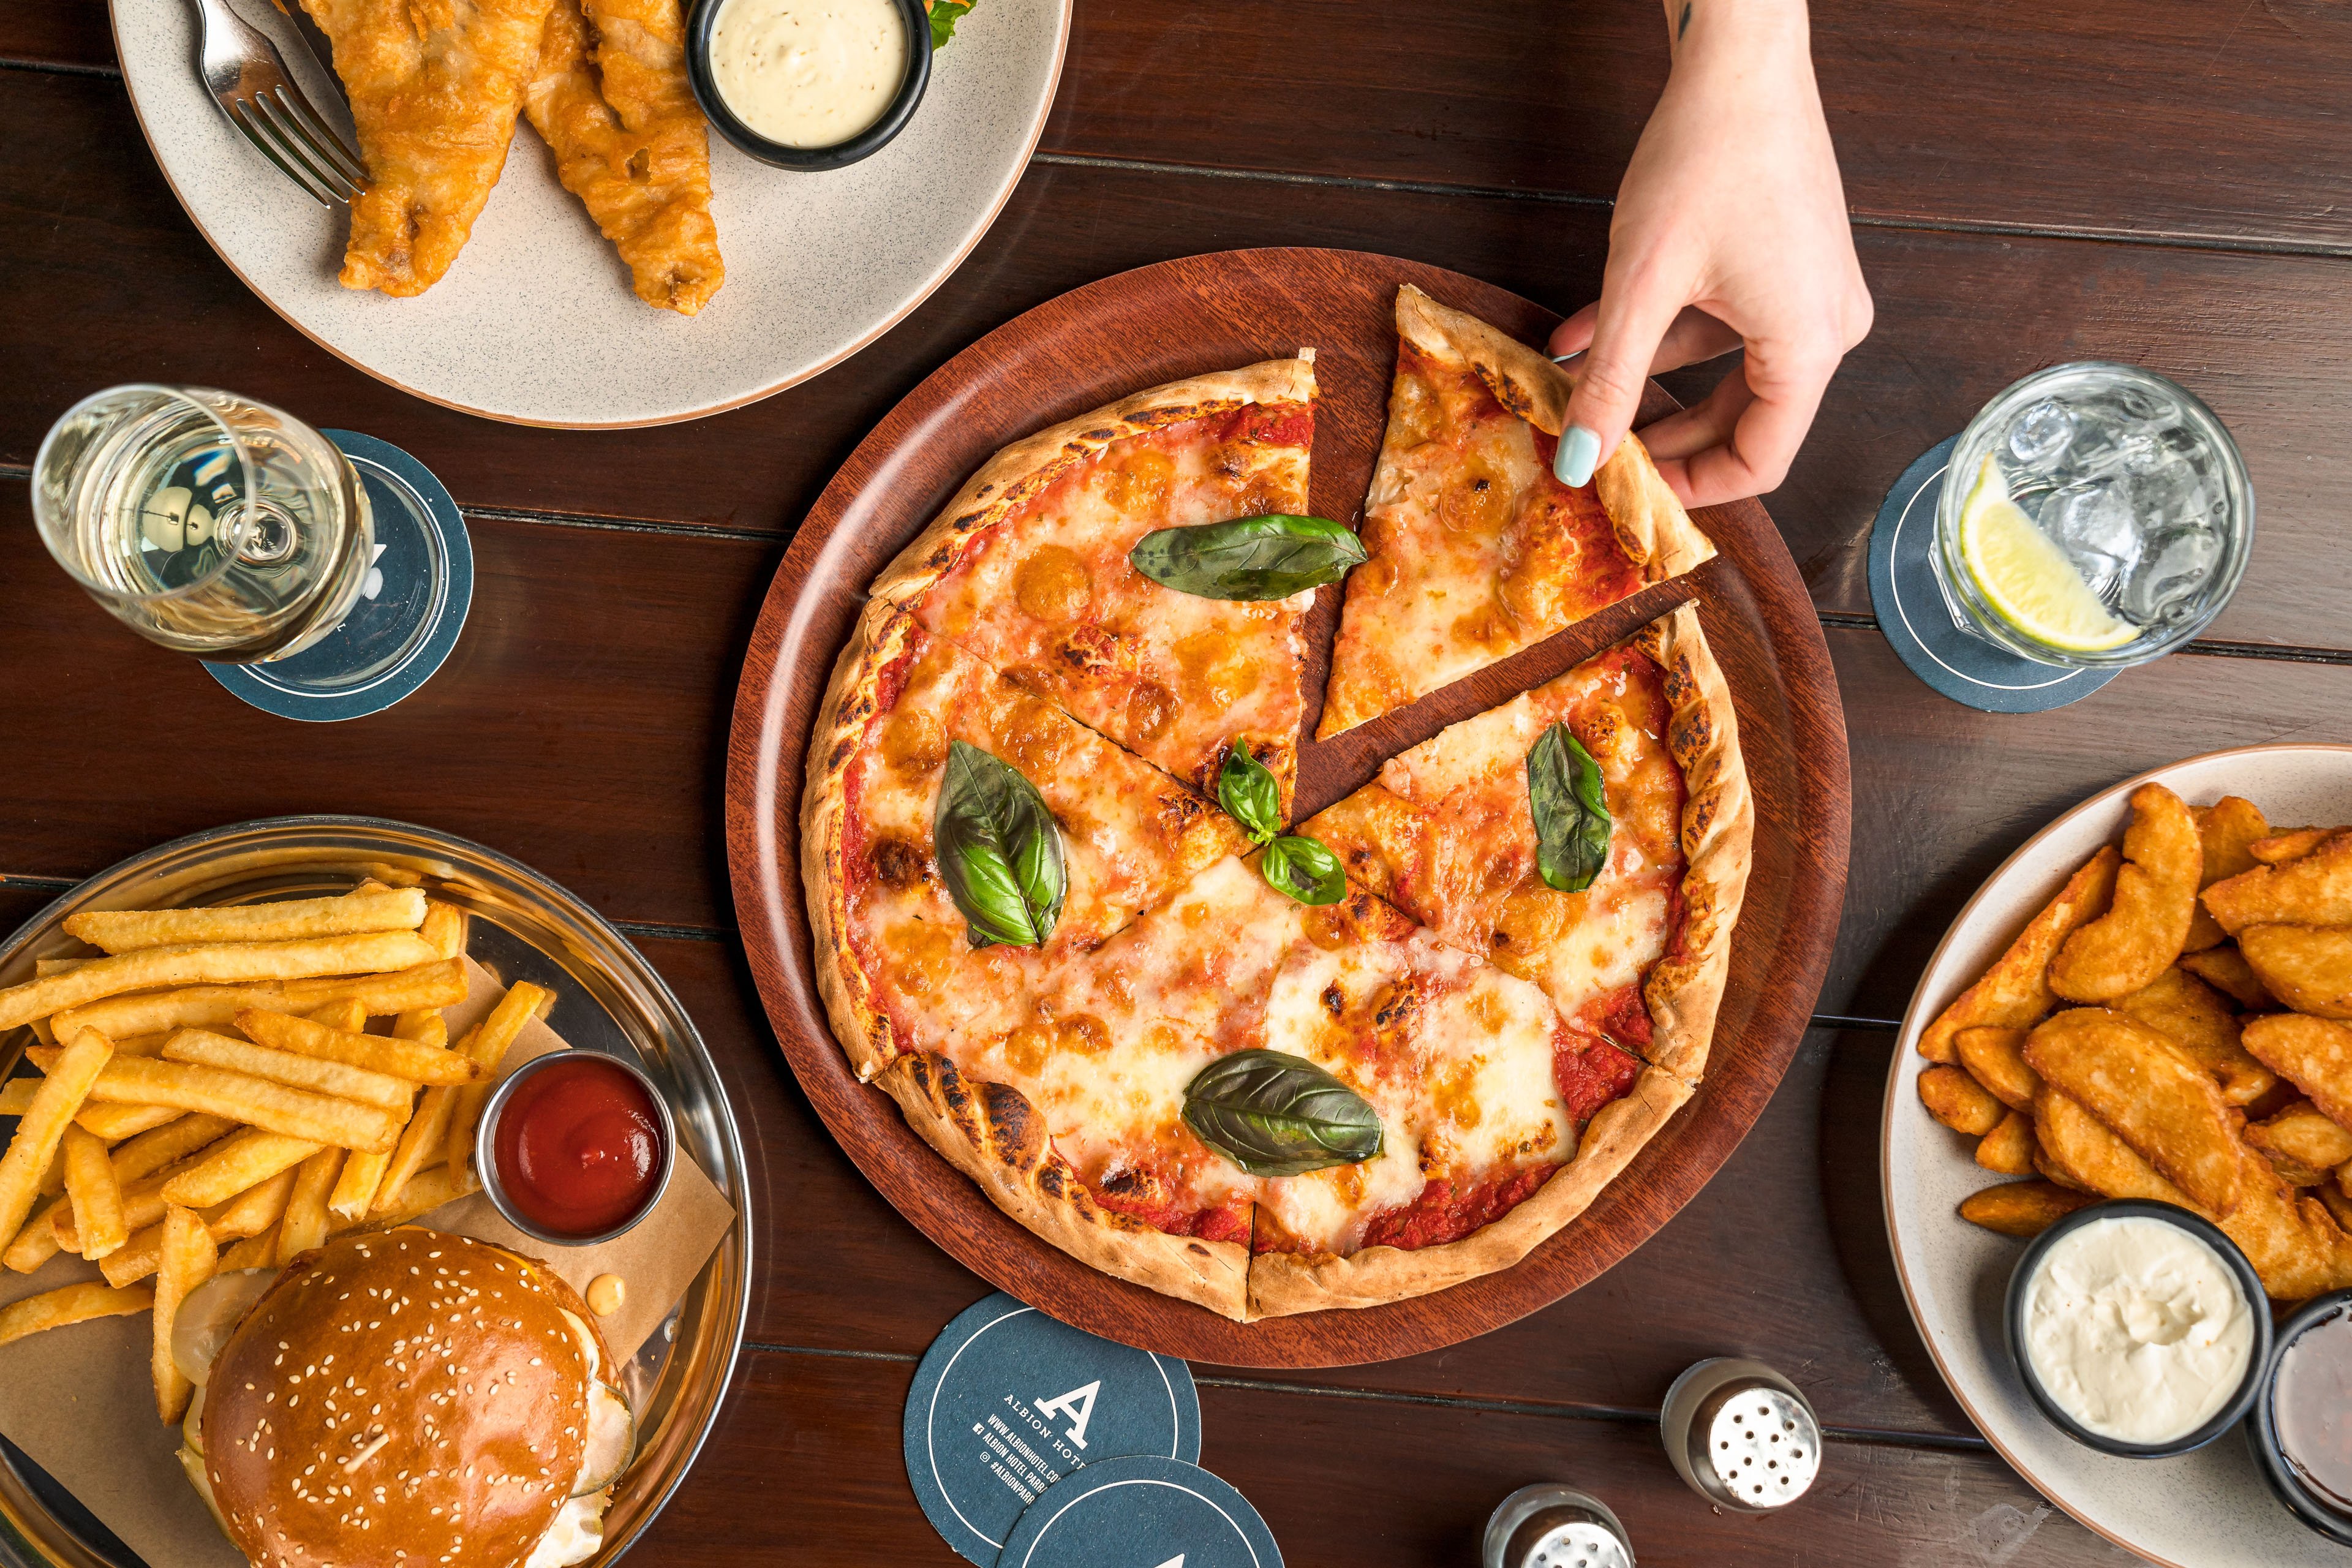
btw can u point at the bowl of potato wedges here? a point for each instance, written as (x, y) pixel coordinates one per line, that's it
(2150, 999)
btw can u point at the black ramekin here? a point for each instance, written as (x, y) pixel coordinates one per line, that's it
(2261, 1431)
(867, 142)
(2249, 1282)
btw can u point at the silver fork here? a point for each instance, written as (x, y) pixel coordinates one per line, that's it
(247, 77)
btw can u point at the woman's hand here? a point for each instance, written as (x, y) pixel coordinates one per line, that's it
(1730, 230)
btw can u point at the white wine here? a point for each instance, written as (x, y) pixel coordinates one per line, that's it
(208, 523)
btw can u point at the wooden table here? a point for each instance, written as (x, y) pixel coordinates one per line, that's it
(2161, 183)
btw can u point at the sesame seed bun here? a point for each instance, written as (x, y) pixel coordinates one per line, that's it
(397, 1400)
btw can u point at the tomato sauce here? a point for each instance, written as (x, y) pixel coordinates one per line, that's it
(579, 1146)
(1589, 1072)
(1445, 1212)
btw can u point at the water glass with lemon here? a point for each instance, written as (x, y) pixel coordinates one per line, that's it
(2094, 515)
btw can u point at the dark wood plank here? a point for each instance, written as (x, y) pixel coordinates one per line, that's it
(69, 34)
(805, 1466)
(577, 726)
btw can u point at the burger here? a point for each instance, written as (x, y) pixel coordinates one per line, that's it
(399, 1400)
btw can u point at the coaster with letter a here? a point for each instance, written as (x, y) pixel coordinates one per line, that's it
(1143, 1512)
(1007, 1402)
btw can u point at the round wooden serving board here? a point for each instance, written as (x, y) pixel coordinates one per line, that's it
(1210, 312)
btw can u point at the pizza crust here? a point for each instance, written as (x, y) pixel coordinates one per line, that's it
(1281, 1283)
(1030, 464)
(1657, 532)
(994, 1135)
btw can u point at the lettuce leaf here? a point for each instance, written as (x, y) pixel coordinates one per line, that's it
(945, 14)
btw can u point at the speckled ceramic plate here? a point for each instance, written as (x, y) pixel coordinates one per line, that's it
(2202, 1508)
(535, 322)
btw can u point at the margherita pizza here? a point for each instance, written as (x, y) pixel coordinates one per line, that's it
(1058, 918)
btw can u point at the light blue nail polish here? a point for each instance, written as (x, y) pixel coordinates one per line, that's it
(1580, 450)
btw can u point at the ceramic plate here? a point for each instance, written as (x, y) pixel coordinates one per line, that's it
(2201, 1508)
(535, 322)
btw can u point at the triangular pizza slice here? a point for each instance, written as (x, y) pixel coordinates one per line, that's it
(1477, 551)
(1635, 947)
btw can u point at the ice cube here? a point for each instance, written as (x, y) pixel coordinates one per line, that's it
(2092, 522)
(2041, 432)
(2171, 578)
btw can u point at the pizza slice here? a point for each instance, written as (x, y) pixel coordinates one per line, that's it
(1029, 569)
(1621, 912)
(901, 963)
(1477, 551)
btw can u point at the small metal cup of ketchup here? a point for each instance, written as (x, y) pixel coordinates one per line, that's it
(575, 1147)
(2302, 1430)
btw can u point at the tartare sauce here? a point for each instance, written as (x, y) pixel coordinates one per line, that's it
(2137, 1329)
(809, 73)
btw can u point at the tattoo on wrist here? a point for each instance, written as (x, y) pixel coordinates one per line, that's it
(1681, 24)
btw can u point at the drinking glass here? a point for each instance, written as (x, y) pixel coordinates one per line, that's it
(2137, 484)
(205, 521)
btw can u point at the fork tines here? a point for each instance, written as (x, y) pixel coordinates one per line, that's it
(290, 134)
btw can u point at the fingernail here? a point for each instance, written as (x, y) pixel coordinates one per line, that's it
(1568, 359)
(1578, 450)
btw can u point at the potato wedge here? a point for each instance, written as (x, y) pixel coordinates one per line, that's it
(2058, 1175)
(2155, 893)
(2083, 1153)
(2021, 1208)
(2288, 843)
(2009, 1148)
(2015, 991)
(2336, 1202)
(2309, 968)
(1960, 1101)
(2197, 1019)
(2149, 1092)
(2315, 890)
(2225, 969)
(2295, 1246)
(2312, 1054)
(2226, 829)
(1995, 1057)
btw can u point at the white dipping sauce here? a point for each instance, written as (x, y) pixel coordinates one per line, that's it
(2137, 1329)
(809, 73)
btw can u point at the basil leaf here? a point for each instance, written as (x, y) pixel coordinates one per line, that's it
(1269, 557)
(1303, 868)
(1250, 794)
(998, 850)
(945, 14)
(1275, 1114)
(1570, 811)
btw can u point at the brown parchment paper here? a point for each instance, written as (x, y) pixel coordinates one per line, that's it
(80, 1403)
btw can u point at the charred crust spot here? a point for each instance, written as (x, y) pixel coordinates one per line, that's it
(1049, 1180)
(898, 863)
(840, 750)
(1196, 1247)
(1103, 433)
(982, 490)
(1127, 1183)
(1335, 1001)
(971, 519)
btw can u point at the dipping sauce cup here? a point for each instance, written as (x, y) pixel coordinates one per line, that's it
(2131, 1289)
(575, 1147)
(784, 54)
(2302, 1429)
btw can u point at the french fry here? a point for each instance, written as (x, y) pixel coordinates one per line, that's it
(1995, 1057)
(422, 1142)
(2015, 991)
(346, 1014)
(443, 1184)
(96, 1194)
(441, 984)
(139, 1258)
(72, 1304)
(445, 928)
(45, 967)
(2295, 1246)
(188, 1260)
(168, 1145)
(113, 1123)
(211, 965)
(273, 1106)
(2021, 1208)
(2226, 829)
(2155, 893)
(241, 1162)
(2309, 968)
(53, 1178)
(363, 1172)
(1958, 1101)
(2193, 1015)
(2080, 1152)
(2315, 890)
(486, 1043)
(2312, 1054)
(142, 1209)
(39, 1240)
(16, 1096)
(402, 1059)
(42, 1128)
(425, 1027)
(129, 930)
(357, 1084)
(2225, 969)
(2009, 1148)
(2291, 844)
(252, 1252)
(254, 1210)
(304, 1225)
(2149, 1093)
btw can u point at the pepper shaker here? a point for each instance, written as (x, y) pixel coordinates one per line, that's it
(1741, 1435)
(1554, 1526)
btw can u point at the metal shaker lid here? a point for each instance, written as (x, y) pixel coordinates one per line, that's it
(1741, 1435)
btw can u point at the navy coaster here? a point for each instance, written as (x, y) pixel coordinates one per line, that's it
(1007, 1402)
(406, 621)
(1150, 1513)
(1913, 616)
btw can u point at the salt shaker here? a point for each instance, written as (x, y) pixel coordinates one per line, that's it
(1555, 1526)
(1741, 1435)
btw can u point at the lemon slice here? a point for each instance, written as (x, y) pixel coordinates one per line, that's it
(2027, 578)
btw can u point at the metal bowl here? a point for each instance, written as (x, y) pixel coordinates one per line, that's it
(611, 1000)
(493, 1177)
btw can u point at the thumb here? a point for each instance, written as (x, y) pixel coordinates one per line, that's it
(1634, 315)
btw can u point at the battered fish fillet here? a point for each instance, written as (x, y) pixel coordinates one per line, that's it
(610, 96)
(435, 87)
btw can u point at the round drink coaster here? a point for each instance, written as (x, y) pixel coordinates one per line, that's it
(1008, 1402)
(1915, 620)
(1151, 1512)
(409, 612)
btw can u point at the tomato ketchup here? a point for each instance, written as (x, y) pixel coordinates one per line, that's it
(579, 1146)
